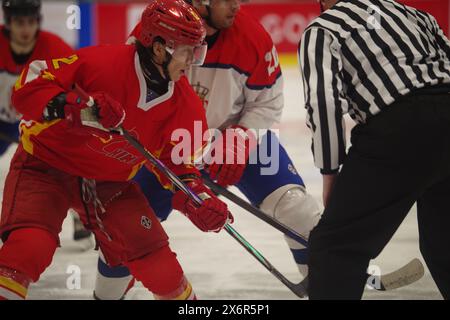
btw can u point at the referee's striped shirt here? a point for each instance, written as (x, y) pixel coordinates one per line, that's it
(360, 56)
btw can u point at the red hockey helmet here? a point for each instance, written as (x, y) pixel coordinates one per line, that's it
(175, 21)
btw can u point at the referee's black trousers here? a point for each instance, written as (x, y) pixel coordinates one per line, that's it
(401, 156)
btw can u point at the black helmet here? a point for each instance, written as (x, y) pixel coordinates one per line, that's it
(21, 8)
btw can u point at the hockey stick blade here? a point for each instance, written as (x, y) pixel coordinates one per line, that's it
(404, 276)
(408, 274)
(300, 289)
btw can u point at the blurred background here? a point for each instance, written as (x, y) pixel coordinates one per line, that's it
(215, 264)
(110, 21)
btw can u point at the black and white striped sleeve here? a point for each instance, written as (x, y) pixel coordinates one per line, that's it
(321, 65)
(441, 38)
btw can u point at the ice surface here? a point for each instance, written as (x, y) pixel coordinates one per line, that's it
(215, 263)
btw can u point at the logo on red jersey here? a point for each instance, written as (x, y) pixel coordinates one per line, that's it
(146, 222)
(116, 147)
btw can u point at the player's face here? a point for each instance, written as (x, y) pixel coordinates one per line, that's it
(183, 57)
(176, 69)
(23, 29)
(223, 12)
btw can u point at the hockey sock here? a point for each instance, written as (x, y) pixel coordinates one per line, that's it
(23, 258)
(183, 292)
(112, 283)
(161, 273)
(13, 284)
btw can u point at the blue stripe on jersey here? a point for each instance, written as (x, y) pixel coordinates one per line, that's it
(261, 87)
(225, 66)
(235, 68)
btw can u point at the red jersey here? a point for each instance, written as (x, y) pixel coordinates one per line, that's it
(117, 71)
(47, 45)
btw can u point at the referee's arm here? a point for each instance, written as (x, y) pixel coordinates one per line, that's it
(441, 38)
(321, 64)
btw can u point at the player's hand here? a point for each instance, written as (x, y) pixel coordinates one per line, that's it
(69, 105)
(229, 162)
(212, 215)
(66, 105)
(111, 114)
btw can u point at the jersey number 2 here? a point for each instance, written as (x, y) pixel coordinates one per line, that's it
(272, 59)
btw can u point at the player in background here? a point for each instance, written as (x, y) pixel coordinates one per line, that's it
(22, 41)
(63, 163)
(241, 86)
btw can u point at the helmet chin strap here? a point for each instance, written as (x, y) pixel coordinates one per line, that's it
(147, 59)
(165, 66)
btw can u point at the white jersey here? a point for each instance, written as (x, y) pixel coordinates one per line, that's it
(7, 112)
(240, 81)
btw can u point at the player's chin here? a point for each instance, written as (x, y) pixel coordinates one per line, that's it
(177, 75)
(229, 22)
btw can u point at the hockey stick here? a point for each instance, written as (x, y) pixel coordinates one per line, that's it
(406, 275)
(253, 210)
(299, 289)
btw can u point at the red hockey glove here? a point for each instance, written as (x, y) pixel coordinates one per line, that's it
(229, 163)
(108, 112)
(210, 216)
(111, 114)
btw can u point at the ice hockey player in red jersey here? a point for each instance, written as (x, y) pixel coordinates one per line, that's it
(241, 86)
(63, 163)
(22, 41)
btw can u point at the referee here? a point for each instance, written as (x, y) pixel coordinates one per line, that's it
(388, 66)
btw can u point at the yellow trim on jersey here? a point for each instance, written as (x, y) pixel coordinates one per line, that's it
(157, 153)
(18, 85)
(186, 293)
(56, 62)
(47, 75)
(35, 129)
(13, 286)
(135, 169)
